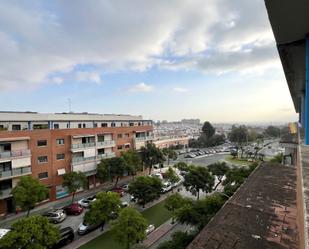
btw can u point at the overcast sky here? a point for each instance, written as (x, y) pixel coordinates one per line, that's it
(210, 59)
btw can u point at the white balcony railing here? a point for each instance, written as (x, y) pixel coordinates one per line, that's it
(15, 153)
(106, 155)
(15, 172)
(4, 193)
(81, 146)
(107, 143)
(76, 160)
(146, 138)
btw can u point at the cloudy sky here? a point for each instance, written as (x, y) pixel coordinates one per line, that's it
(210, 59)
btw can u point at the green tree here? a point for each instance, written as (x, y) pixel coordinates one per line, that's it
(272, 131)
(145, 189)
(103, 171)
(28, 192)
(133, 161)
(74, 181)
(182, 166)
(239, 135)
(201, 211)
(208, 130)
(104, 208)
(171, 176)
(180, 240)
(198, 178)
(169, 154)
(34, 232)
(151, 155)
(218, 169)
(130, 227)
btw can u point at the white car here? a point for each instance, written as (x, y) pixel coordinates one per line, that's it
(167, 186)
(150, 229)
(3, 232)
(85, 202)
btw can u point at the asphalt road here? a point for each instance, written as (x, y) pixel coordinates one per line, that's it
(203, 160)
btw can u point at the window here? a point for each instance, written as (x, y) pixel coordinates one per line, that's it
(119, 147)
(40, 126)
(68, 125)
(95, 125)
(113, 125)
(127, 135)
(60, 156)
(56, 126)
(131, 124)
(79, 125)
(119, 136)
(43, 175)
(42, 159)
(127, 146)
(16, 127)
(42, 143)
(60, 141)
(84, 125)
(104, 125)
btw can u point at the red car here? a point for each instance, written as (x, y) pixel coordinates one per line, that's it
(119, 191)
(73, 209)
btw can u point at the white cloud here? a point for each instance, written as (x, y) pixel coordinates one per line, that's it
(180, 89)
(88, 77)
(141, 87)
(57, 80)
(38, 39)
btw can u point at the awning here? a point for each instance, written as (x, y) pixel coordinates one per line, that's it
(14, 139)
(81, 136)
(61, 172)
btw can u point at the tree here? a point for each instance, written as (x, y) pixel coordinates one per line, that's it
(239, 135)
(104, 208)
(151, 155)
(28, 192)
(182, 166)
(201, 211)
(74, 181)
(208, 130)
(180, 240)
(103, 171)
(34, 232)
(171, 175)
(198, 178)
(176, 201)
(218, 169)
(272, 131)
(145, 189)
(132, 161)
(169, 154)
(130, 227)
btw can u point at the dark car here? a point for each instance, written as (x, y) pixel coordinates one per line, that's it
(66, 237)
(73, 209)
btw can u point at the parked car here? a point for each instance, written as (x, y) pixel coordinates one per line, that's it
(73, 209)
(150, 229)
(191, 155)
(85, 202)
(125, 187)
(55, 216)
(124, 204)
(66, 237)
(84, 227)
(167, 186)
(120, 191)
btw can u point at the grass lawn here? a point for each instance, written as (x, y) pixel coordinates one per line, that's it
(237, 161)
(156, 215)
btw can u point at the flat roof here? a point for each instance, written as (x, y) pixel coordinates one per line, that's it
(261, 214)
(34, 116)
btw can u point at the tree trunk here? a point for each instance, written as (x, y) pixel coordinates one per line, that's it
(73, 195)
(117, 179)
(198, 194)
(217, 184)
(28, 212)
(150, 170)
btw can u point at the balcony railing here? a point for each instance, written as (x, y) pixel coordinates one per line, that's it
(108, 143)
(76, 160)
(4, 193)
(106, 155)
(15, 153)
(81, 146)
(146, 138)
(15, 172)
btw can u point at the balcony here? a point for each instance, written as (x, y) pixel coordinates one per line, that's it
(5, 193)
(106, 144)
(78, 160)
(15, 153)
(82, 146)
(142, 139)
(89, 168)
(15, 172)
(106, 155)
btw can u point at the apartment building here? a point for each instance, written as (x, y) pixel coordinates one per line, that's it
(47, 146)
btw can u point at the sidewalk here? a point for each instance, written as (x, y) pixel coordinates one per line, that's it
(9, 219)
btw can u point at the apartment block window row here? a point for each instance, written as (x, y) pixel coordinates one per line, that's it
(43, 175)
(60, 156)
(60, 141)
(42, 159)
(42, 143)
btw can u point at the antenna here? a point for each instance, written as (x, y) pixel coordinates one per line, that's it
(69, 99)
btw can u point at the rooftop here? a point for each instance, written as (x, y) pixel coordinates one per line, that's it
(262, 214)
